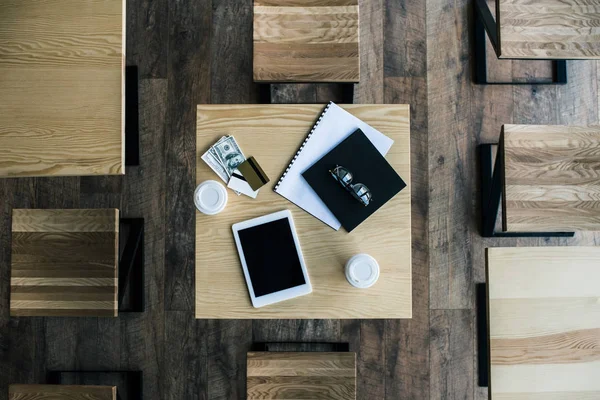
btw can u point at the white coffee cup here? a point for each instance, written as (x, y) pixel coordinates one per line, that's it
(362, 271)
(210, 197)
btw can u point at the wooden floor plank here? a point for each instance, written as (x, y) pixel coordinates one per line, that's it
(451, 351)
(405, 80)
(185, 357)
(228, 342)
(365, 338)
(368, 90)
(143, 334)
(231, 47)
(451, 159)
(189, 80)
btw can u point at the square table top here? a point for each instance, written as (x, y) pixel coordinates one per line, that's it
(272, 134)
(306, 41)
(549, 29)
(61, 392)
(551, 178)
(61, 80)
(544, 322)
(64, 263)
(283, 375)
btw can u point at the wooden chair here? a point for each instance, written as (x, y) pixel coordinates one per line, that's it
(66, 262)
(548, 178)
(61, 392)
(296, 41)
(543, 322)
(305, 375)
(299, 41)
(546, 29)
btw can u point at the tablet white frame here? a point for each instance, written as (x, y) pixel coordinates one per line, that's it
(282, 295)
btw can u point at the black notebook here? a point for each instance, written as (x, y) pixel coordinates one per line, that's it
(358, 155)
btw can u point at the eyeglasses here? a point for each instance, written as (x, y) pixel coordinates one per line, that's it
(359, 191)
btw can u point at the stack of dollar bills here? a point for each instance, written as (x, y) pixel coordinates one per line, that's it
(224, 157)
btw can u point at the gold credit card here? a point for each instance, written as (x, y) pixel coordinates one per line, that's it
(253, 173)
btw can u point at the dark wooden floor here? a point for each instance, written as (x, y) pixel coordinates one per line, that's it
(199, 51)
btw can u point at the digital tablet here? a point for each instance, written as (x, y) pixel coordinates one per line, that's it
(271, 258)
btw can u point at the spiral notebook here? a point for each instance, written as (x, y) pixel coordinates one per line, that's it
(333, 126)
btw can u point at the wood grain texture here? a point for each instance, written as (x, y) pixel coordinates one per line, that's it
(61, 392)
(549, 29)
(551, 178)
(64, 262)
(405, 356)
(451, 160)
(61, 78)
(299, 41)
(281, 375)
(451, 355)
(189, 83)
(142, 335)
(385, 235)
(544, 322)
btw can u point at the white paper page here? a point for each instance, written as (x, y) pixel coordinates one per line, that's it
(335, 126)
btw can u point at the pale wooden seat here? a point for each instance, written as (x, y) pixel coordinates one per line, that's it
(549, 29)
(551, 178)
(283, 375)
(64, 263)
(61, 392)
(556, 30)
(306, 41)
(544, 323)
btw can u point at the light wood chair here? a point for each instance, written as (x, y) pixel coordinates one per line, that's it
(548, 178)
(66, 262)
(304, 375)
(296, 41)
(299, 41)
(543, 323)
(544, 30)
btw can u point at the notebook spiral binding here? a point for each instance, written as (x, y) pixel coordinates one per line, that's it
(302, 146)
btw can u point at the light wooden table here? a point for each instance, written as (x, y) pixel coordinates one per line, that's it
(551, 178)
(272, 134)
(64, 263)
(62, 87)
(306, 41)
(544, 323)
(282, 375)
(56, 392)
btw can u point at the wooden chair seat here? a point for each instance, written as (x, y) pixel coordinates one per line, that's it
(549, 29)
(284, 375)
(544, 322)
(551, 178)
(64, 263)
(61, 392)
(306, 41)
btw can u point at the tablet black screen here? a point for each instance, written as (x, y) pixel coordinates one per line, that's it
(271, 257)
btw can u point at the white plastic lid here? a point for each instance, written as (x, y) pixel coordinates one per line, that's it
(362, 271)
(210, 197)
